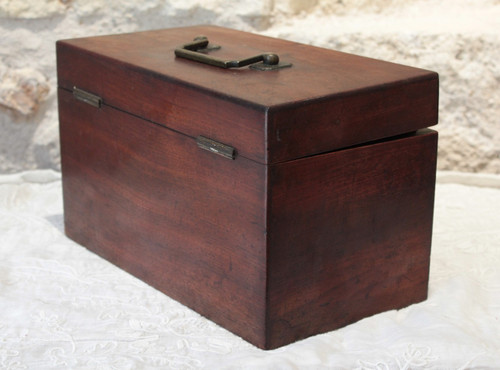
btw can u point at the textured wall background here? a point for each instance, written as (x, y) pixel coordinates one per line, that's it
(460, 39)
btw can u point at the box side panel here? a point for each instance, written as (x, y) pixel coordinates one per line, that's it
(186, 221)
(349, 235)
(162, 100)
(353, 118)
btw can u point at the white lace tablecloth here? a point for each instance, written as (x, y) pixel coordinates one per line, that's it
(63, 307)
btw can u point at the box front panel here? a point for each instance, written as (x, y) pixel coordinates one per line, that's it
(186, 221)
(350, 235)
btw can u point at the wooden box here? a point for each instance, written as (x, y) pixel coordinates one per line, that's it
(279, 201)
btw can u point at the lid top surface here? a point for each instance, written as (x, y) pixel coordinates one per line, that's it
(315, 73)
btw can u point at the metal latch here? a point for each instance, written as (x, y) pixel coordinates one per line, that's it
(215, 147)
(87, 97)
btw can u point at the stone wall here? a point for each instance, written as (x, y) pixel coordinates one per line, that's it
(457, 38)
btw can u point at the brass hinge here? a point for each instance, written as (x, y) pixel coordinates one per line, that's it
(87, 97)
(215, 147)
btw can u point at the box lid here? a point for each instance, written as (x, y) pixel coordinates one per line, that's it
(325, 101)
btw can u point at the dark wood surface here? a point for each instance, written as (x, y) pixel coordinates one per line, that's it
(349, 235)
(321, 126)
(326, 100)
(187, 222)
(271, 247)
(340, 236)
(168, 103)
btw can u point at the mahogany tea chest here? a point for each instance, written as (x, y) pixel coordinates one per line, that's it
(279, 189)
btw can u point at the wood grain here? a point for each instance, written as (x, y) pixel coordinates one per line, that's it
(323, 218)
(349, 235)
(158, 99)
(327, 100)
(189, 223)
